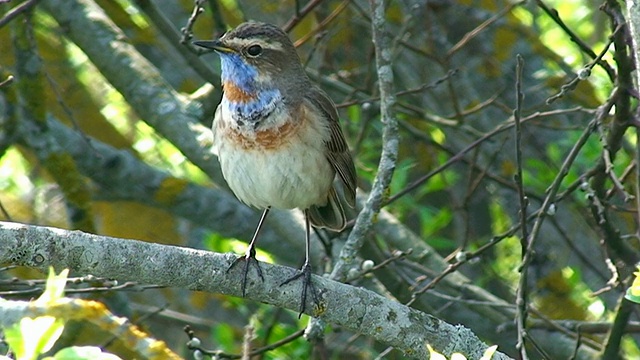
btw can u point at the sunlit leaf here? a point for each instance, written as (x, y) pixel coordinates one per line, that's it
(82, 353)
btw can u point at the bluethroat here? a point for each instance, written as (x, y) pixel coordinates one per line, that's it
(277, 136)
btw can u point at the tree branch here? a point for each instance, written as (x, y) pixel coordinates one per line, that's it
(137, 80)
(356, 309)
(19, 9)
(390, 140)
(521, 291)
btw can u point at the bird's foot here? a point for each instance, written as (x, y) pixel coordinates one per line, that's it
(307, 284)
(249, 257)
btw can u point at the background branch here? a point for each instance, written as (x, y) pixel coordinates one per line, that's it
(125, 112)
(390, 139)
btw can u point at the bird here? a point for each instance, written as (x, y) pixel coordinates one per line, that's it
(278, 138)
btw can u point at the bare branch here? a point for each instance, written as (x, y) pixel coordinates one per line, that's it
(13, 13)
(521, 292)
(390, 140)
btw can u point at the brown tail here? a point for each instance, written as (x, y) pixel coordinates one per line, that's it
(330, 216)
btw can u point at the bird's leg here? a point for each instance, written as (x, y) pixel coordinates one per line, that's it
(305, 272)
(250, 254)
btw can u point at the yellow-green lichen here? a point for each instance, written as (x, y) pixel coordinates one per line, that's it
(169, 190)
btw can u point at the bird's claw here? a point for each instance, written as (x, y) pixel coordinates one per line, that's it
(305, 274)
(248, 258)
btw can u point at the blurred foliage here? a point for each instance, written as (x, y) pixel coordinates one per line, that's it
(446, 100)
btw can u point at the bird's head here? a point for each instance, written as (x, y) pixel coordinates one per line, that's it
(257, 56)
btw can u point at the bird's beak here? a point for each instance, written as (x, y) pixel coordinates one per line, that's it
(216, 45)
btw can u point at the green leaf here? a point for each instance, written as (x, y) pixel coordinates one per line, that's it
(631, 297)
(488, 354)
(83, 353)
(633, 293)
(54, 289)
(33, 337)
(13, 337)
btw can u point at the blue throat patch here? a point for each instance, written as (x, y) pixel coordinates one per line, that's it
(244, 76)
(238, 72)
(256, 110)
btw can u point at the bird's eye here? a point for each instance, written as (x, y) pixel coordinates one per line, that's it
(254, 50)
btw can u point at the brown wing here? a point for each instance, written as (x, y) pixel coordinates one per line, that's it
(337, 148)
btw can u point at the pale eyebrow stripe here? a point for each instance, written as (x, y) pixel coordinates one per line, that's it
(244, 42)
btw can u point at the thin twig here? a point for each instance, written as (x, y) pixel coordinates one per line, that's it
(300, 13)
(178, 42)
(473, 33)
(499, 129)
(11, 14)
(521, 292)
(613, 341)
(538, 214)
(7, 81)
(388, 157)
(418, 89)
(390, 142)
(323, 24)
(553, 189)
(187, 31)
(553, 14)
(258, 351)
(585, 72)
(395, 256)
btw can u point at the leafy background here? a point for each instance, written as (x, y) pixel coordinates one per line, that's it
(454, 188)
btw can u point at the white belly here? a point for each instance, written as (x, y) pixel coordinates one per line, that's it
(287, 178)
(294, 174)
